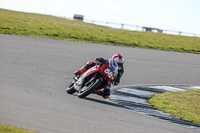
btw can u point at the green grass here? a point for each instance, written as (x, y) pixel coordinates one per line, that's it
(36, 25)
(183, 104)
(10, 129)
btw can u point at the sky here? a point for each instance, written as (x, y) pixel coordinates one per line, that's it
(177, 15)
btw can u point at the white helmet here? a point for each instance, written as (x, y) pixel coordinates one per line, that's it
(119, 60)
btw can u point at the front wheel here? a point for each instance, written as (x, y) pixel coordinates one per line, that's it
(86, 90)
(70, 89)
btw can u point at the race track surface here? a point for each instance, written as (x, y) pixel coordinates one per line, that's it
(34, 73)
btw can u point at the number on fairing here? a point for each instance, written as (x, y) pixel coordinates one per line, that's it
(107, 71)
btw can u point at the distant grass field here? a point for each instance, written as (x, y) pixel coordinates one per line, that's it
(10, 129)
(43, 26)
(183, 104)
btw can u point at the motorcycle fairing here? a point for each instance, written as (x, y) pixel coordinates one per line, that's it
(79, 83)
(90, 71)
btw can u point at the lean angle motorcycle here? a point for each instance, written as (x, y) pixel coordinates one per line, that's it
(95, 78)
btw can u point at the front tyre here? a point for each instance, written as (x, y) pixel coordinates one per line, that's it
(70, 89)
(86, 90)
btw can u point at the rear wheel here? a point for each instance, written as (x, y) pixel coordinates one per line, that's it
(86, 90)
(70, 89)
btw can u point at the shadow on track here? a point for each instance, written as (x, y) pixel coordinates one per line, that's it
(103, 102)
(99, 101)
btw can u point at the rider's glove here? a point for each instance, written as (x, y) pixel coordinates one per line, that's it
(100, 59)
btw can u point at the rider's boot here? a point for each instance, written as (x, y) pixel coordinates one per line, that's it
(105, 93)
(98, 92)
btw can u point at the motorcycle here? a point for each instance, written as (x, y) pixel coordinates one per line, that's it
(95, 78)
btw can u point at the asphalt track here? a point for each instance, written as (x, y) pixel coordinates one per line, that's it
(34, 73)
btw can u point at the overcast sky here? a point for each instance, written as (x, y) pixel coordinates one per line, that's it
(178, 15)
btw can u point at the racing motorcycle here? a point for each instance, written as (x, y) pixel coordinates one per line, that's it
(95, 78)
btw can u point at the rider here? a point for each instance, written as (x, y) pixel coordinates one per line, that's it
(118, 58)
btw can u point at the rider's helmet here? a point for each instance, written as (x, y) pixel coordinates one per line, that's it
(113, 65)
(118, 58)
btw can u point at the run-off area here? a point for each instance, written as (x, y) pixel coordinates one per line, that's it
(136, 98)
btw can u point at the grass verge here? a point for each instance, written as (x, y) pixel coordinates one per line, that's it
(35, 25)
(183, 104)
(10, 129)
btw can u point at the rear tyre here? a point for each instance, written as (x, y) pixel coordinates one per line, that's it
(70, 89)
(86, 90)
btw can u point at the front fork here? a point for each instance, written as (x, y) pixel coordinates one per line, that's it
(78, 84)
